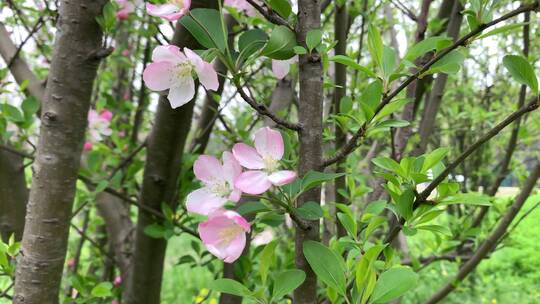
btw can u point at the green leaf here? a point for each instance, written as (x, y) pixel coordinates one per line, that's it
(348, 61)
(521, 70)
(502, 29)
(313, 39)
(393, 283)
(299, 50)
(433, 158)
(310, 211)
(348, 223)
(313, 179)
(282, 7)
(231, 287)
(436, 229)
(250, 42)
(449, 64)
(404, 205)
(364, 267)
(281, 43)
(12, 113)
(470, 198)
(375, 44)
(252, 207)
(102, 290)
(205, 25)
(388, 64)
(155, 230)
(386, 163)
(267, 256)
(429, 44)
(30, 106)
(327, 265)
(287, 281)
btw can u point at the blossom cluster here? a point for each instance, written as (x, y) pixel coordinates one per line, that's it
(224, 232)
(98, 126)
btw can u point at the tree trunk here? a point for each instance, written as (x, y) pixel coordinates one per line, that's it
(13, 195)
(310, 117)
(77, 53)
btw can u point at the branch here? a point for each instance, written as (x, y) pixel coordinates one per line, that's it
(490, 243)
(263, 109)
(352, 144)
(270, 15)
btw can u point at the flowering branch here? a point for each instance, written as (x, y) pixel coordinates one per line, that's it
(352, 144)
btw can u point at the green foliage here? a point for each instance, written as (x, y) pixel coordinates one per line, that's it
(522, 71)
(281, 43)
(328, 265)
(206, 26)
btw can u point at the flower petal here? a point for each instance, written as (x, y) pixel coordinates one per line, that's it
(159, 76)
(247, 156)
(281, 68)
(208, 169)
(269, 143)
(231, 167)
(235, 195)
(281, 178)
(168, 53)
(182, 93)
(253, 182)
(202, 201)
(169, 12)
(235, 248)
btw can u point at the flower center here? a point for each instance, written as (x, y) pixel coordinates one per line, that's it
(184, 69)
(270, 164)
(228, 234)
(221, 189)
(177, 3)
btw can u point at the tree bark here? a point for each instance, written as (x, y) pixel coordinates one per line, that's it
(435, 99)
(163, 163)
(491, 242)
(341, 21)
(13, 195)
(310, 136)
(77, 53)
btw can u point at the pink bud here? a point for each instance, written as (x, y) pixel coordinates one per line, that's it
(87, 147)
(106, 114)
(122, 14)
(71, 263)
(122, 134)
(125, 53)
(126, 95)
(117, 281)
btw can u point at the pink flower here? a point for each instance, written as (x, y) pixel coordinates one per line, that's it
(170, 11)
(224, 234)
(117, 281)
(218, 182)
(173, 70)
(126, 7)
(281, 68)
(87, 146)
(125, 53)
(263, 160)
(241, 6)
(98, 124)
(115, 302)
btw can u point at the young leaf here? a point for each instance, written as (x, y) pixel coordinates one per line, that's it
(267, 256)
(205, 25)
(282, 7)
(433, 158)
(314, 178)
(231, 287)
(348, 61)
(348, 223)
(102, 290)
(313, 39)
(286, 282)
(393, 283)
(250, 42)
(281, 43)
(375, 45)
(429, 44)
(388, 64)
(327, 265)
(449, 64)
(521, 70)
(310, 211)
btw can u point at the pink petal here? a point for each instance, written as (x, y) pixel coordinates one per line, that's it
(231, 167)
(281, 178)
(253, 182)
(238, 219)
(208, 169)
(247, 156)
(235, 248)
(169, 12)
(202, 201)
(269, 143)
(159, 76)
(168, 53)
(235, 195)
(106, 114)
(92, 116)
(182, 92)
(208, 76)
(280, 68)
(87, 146)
